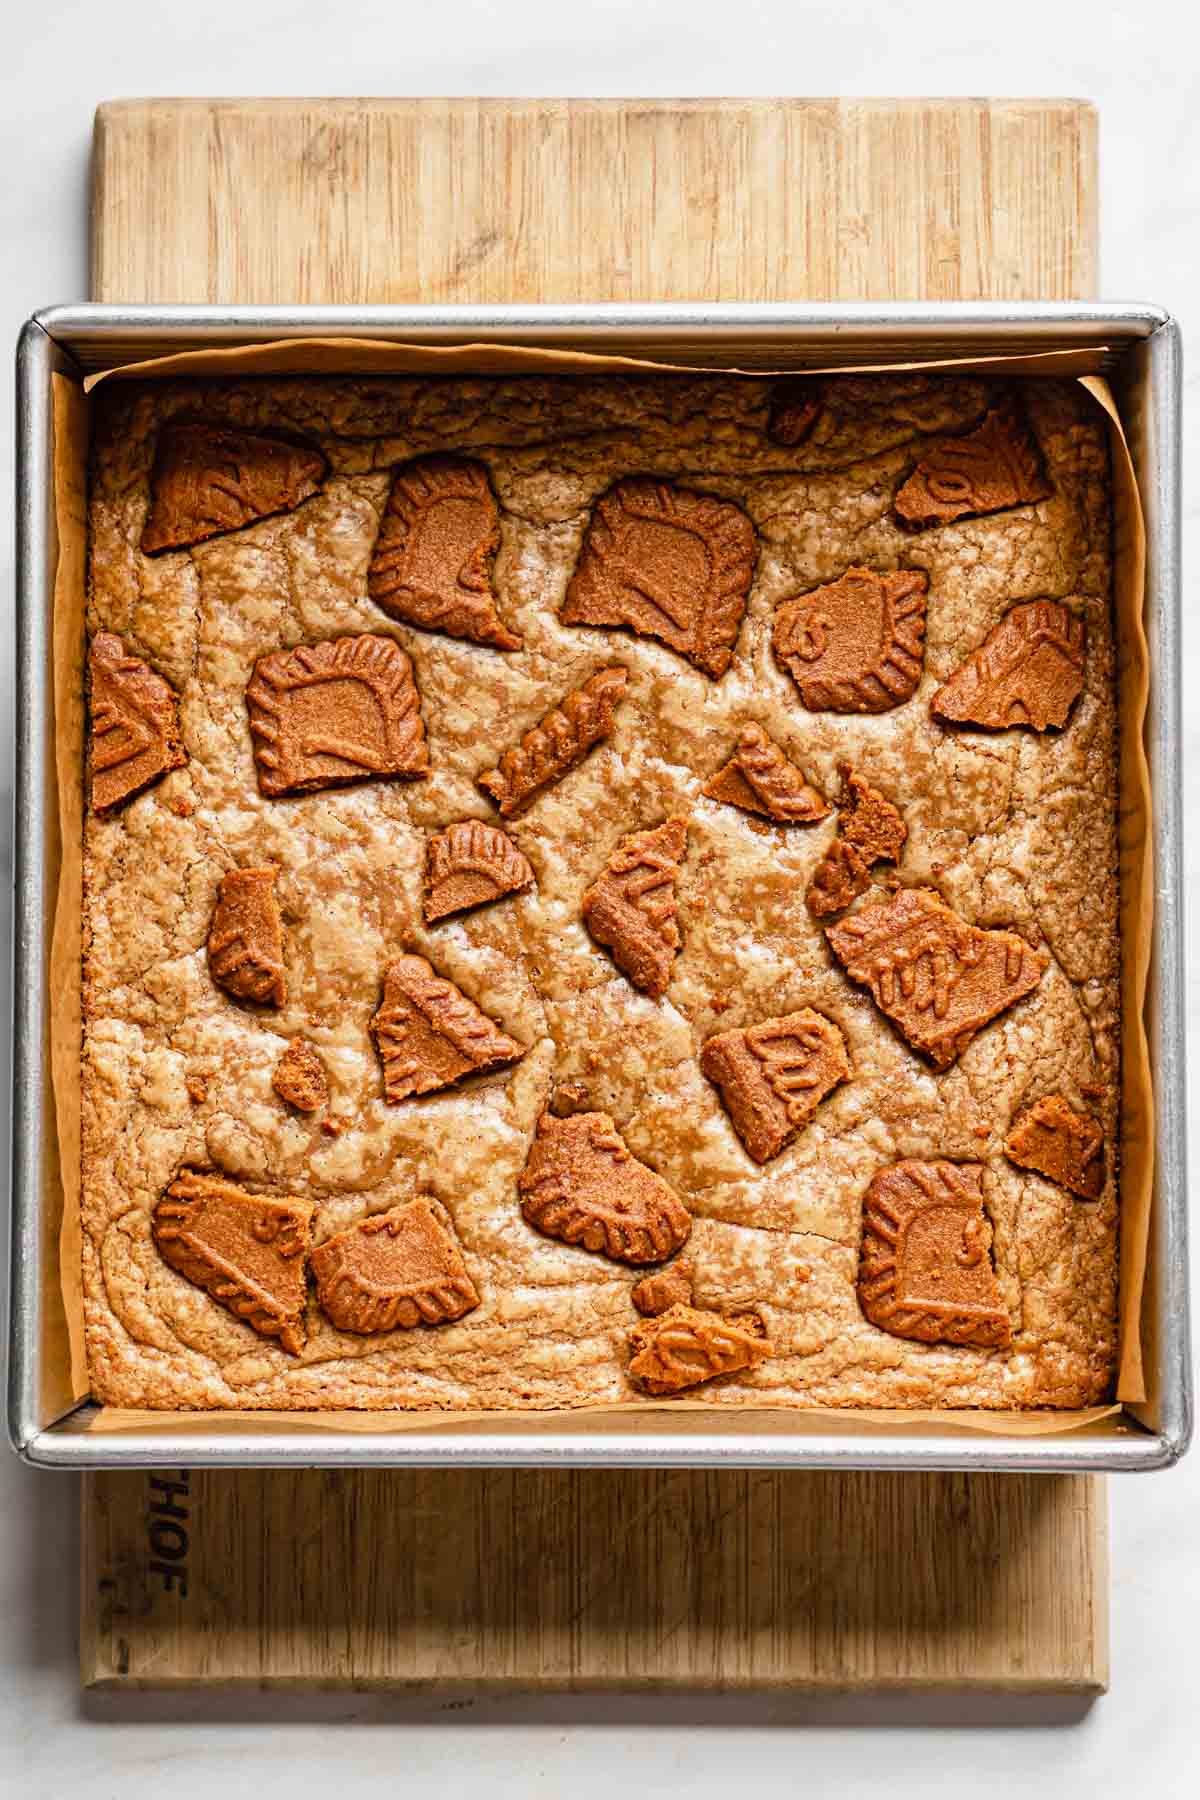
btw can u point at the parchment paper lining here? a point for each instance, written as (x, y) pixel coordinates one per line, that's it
(351, 356)
(630, 1416)
(365, 356)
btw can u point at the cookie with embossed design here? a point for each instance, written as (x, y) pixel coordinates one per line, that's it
(925, 1269)
(328, 714)
(1028, 671)
(667, 563)
(393, 1271)
(631, 906)
(470, 864)
(247, 1250)
(939, 979)
(135, 725)
(759, 778)
(990, 469)
(557, 744)
(245, 938)
(772, 1077)
(432, 562)
(429, 1035)
(856, 645)
(211, 479)
(583, 1184)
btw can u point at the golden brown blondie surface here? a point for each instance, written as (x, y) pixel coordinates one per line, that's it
(1010, 838)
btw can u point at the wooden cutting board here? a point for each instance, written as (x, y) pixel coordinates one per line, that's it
(593, 1580)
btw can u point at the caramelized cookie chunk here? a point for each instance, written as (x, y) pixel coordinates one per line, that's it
(245, 939)
(686, 1346)
(772, 1077)
(1065, 1146)
(395, 1269)
(469, 864)
(937, 978)
(869, 822)
(560, 741)
(135, 725)
(631, 907)
(432, 563)
(924, 1268)
(246, 1250)
(795, 408)
(666, 563)
(208, 480)
(583, 1184)
(331, 713)
(1028, 671)
(994, 467)
(856, 645)
(429, 1035)
(840, 877)
(759, 778)
(300, 1078)
(659, 1292)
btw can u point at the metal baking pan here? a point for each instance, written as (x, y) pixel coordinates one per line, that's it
(1138, 348)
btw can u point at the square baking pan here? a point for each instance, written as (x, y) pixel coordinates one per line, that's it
(1136, 347)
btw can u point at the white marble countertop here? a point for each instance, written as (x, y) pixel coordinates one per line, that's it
(1138, 64)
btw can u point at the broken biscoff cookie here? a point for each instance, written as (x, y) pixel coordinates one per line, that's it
(247, 1250)
(583, 1184)
(1055, 1141)
(135, 737)
(557, 744)
(245, 939)
(667, 563)
(772, 1077)
(924, 1267)
(759, 778)
(470, 864)
(687, 1345)
(209, 479)
(394, 1270)
(631, 908)
(938, 979)
(432, 562)
(856, 645)
(994, 467)
(341, 711)
(1028, 671)
(429, 1035)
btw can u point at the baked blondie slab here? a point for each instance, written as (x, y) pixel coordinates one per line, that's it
(569, 849)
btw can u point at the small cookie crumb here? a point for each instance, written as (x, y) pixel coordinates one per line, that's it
(657, 1293)
(300, 1077)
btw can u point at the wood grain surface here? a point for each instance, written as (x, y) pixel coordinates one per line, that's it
(653, 1580)
(524, 200)
(593, 1580)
